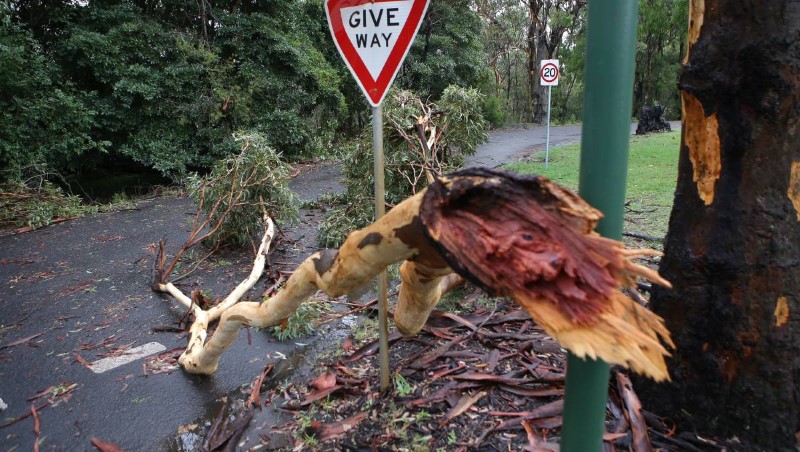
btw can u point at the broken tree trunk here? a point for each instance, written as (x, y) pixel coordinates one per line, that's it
(519, 236)
(733, 247)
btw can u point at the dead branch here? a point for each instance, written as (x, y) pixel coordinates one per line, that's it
(202, 318)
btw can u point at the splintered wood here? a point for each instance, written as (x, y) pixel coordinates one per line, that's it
(529, 239)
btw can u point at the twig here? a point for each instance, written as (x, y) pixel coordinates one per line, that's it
(196, 265)
(637, 235)
(24, 416)
(24, 340)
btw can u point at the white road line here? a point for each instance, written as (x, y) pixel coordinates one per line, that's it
(106, 364)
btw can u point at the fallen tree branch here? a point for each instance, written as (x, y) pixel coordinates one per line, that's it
(202, 318)
(518, 236)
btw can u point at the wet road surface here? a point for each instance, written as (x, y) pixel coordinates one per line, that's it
(76, 292)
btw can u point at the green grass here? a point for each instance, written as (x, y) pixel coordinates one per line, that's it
(652, 174)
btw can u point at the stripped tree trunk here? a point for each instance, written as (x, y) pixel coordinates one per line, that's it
(733, 248)
(517, 236)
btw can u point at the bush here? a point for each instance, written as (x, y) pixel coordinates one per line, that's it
(459, 127)
(494, 111)
(241, 187)
(37, 202)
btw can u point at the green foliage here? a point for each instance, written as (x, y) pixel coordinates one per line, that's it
(460, 127)
(365, 330)
(345, 215)
(42, 119)
(401, 386)
(494, 111)
(447, 51)
(37, 204)
(303, 321)
(452, 438)
(286, 88)
(242, 187)
(463, 121)
(659, 50)
(89, 84)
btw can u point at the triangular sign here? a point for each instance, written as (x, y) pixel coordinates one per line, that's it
(373, 37)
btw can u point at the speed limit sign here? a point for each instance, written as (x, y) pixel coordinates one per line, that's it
(548, 73)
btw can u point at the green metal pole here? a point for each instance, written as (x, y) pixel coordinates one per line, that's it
(610, 60)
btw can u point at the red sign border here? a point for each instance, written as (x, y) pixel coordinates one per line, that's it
(374, 90)
(541, 72)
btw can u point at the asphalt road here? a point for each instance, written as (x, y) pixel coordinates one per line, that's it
(75, 292)
(80, 290)
(511, 145)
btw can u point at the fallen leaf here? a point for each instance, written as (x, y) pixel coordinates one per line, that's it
(551, 411)
(37, 428)
(370, 349)
(255, 389)
(463, 405)
(313, 397)
(479, 376)
(20, 341)
(428, 358)
(347, 344)
(80, 360)
(339, 428)
(103, 446)
(324, 381)
(444, 372)
(539, 392)
(24, 416)
(611, 437)
(224, 432)
(641, 440)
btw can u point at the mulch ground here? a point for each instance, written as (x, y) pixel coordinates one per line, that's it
(487, 380)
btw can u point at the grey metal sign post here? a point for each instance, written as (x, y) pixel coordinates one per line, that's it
(548, 76)
(373, 39)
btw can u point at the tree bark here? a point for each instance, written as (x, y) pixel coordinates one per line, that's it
(733, 247)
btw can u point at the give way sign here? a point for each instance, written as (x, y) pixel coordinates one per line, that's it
(373, 37)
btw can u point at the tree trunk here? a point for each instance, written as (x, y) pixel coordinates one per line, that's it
(537, 93)
(733, 248)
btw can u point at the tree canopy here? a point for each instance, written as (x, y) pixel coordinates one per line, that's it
(164, 85)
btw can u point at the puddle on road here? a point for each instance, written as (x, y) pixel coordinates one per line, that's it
(301, 363)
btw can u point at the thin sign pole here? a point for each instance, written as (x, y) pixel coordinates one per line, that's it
(383, 319)
(547, 142)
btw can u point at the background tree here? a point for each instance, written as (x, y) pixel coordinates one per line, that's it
(164, 84)
(504, 24)
(660, 47)
(42, 118)
(447, 51)
(550, 20)
(733, 247)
